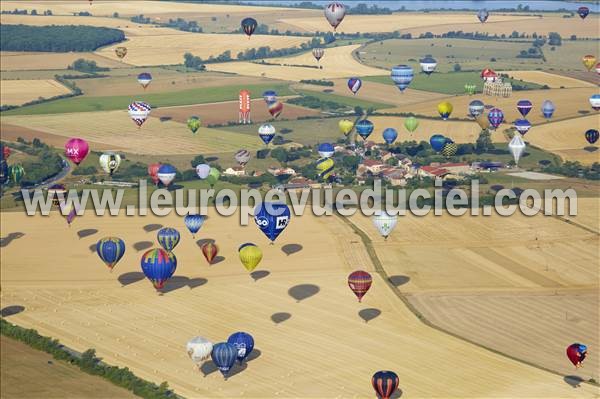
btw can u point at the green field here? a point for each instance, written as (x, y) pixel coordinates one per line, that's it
(349, 101)
(167, 99)
(447, 83)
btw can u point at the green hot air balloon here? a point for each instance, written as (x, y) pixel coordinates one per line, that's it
(470, 88)
(193, 123)
(16, 173)
(213, 176)
(411, 123)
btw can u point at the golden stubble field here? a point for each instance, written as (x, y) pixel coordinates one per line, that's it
(31, 61)
(17, 92)
(546, 78)
(74, 298)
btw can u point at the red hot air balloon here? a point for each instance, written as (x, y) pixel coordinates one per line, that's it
(385, 383)
(153, 172)
(576, 353)
(76, 150)
(210, 251)
(5, 152)
(359, 282)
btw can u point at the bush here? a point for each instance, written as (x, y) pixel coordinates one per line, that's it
(317, 82)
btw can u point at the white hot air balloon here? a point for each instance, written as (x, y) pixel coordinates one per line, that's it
(517, 147)
(199, 349)
(242, 157)
(335, 13)
(385, 223)
(109, 162)
(202, 170)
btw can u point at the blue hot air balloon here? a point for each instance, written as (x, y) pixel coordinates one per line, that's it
(326, 150)
(476, 108)
(483, 15)
(524, 106)
(144, 79)
(364, 128)
(166, 174)
(158, 266)
(522, 126)
(223, 356)
(583, 11)
(270, 96)
(194, 223)
(548, 109)
(592, 136)
(249, 26)
(244, 344)
(402, 75)
(495, 117)
(437, 142)
(354, 85)
(168, 238)
(110, 250)
(272, 218)
(389, 135)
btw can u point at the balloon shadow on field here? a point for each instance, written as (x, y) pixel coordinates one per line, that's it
(290, 249)
(590, 148)
(398, 280)
(217, 259)
(86, 233)
(12, 310)
(130, 278)
(573, 380)
(152, 227)
(203, 241)
(259, 274)
(280, 317)
(236, 369)
(208, 368)
(255, 354)
(4, 241)
(93, 247)
(369, 314)
(397, 394)
(303, 291)
(177, 282)
(141, 245)
(196, 282)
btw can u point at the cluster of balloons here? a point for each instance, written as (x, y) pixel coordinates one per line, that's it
(443, 145)
(238, 347)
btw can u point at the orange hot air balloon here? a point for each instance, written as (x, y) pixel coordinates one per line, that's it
(245, 105)
(589, 61)
(210, 251)
(153, 172)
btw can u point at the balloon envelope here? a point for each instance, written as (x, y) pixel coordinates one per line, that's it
(144, 79)
(166, 174)
(110, 250)
(389, 135)
(213, 176)
(138, 112)
(223, 356)
(243, 342)
(335, 13)
(583, 11)
(402, 75)
(250, 256)
(360, 282)
(194, 222)
(428, 65)
(595, 101)
(168, 238)
(202, 170)
(495, 117)
(193, 123)
(592, 135)
(346, 126)
(385, 223)
(445, 109)
(411, 124)
(158, 266)
(109, 162)
(516, 147)
(242, 157)
(266, 132)
(16, 173)
(324, 168)
(476, 108)
(354, 84)
(272, 218)
(364, 128)
(522, 126)
(548, 109)
(524, 106)
(326, 150)
(249, 26)
(483, 15)
(210, 251)
(275, 108)
(199, 349)
(385, 383)
(589, 61)
(153, 172)
(437, 142)
(76, 150)
(318, 52)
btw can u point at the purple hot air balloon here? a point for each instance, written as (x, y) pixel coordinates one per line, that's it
(524, 106)
(522, 126)
(496, 117)
(354, 85)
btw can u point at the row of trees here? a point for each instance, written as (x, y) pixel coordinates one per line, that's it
(316, 103)
(44, 164)
(16, 11)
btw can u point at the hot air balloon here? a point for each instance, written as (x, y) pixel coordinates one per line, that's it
(213, 176)
(121, 52)
(109, 162)
(193, 123)
(275, 109)
(577, 353)
(194, 223)
(168, 238)
(583, 11)
(364, 128)
(390, 134)
(346, 126)
(548, 109)
(476, 108)
(110, 250)
(437, 142)
(138, 112)
(223, 356)
(69, 211)
(158, 266)
(516, 147)
(318, 52)
(76, 150)
(360, 282)
(242, 157)
(324, 168)
(592, 135)
(4, 172)
(210, 251)
(335, 13)
(249, 26)
(166, 174)
(496, 117)
(402, 75)
(524, 106)
(411, 124)
(153, 172)
(250, 256)
(245, 105)
(385, 383)
(470, 88)
(16, 173)
(354, 85)
(445, 109)
(270, 96)
(202, 170)
(243, 342)
(57, 193)
(325, 150)
(5, 153)
(589, 61)
(450, 148)
(482, 121)
(483, 15)
(272, 218)
(428, 65)
(385, 223)
(266, 132)
(522, 126)
(144, 79)
(199, 349)
(595, 101)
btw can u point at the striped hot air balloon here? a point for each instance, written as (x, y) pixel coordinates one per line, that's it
(385, 383)
(524, 106)
(275, 109)
(110, 250)
(242, 157)
(522, 126)
(318, 52)
(194, 223)
(335, 13)
(476, 108)
(411, 124)
(364, 128)
(224, 356)
(402, 75)
(354, 84)
(360, 282)
(249, 26)
(138, 112)
(324, 168)
(210, 251)
(158, 266)
(168, 238)
(16, 173)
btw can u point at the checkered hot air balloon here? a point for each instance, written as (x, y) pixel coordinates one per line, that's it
(158, 266)
(450, 148)
(592, 135)
(522, 126)
(168, 238)
(402, 75)
(110, 250)
(524, 106)
(335, 13)
(354, 85)
(138, 112)
(385, 383)
(360, 282)
(495, 117)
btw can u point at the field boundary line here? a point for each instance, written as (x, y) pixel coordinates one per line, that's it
(383, 274)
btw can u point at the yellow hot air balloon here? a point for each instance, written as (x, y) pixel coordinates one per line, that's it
(250, 255)
(589, 61)
(482, 121)
(346, 126)
(325, 168)
(445, 109)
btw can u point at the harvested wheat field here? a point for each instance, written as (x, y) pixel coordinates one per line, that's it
(590, 77)
(336, 62)
(549, 79)
(17, 92)
(300, 298)
(30, 61)
(12, 133)
(115, 128)
(169, 49)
